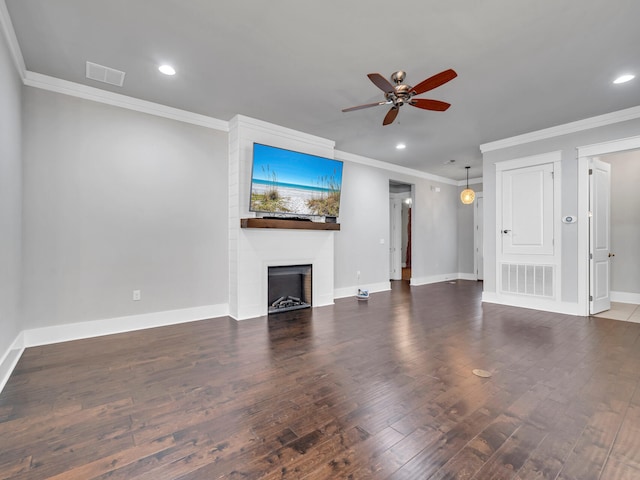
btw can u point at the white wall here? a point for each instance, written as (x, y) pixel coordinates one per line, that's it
(567, 144)
(625, 221)
(10, 206)
(117, 200)
(253, 251)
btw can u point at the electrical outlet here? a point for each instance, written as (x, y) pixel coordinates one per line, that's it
(358, 274)
(136, 295)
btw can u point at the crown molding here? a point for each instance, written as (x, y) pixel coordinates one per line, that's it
(603, 148)
(351, 157)
(10, 34)
(52, 84)
(400, 195)
(567, 128)
(472, 181)
(250, 123)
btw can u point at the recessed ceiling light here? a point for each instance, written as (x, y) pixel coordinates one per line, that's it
(624, 78)
(167, 69)
(401, 146)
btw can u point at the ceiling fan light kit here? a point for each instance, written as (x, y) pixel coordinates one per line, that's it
(397, 93)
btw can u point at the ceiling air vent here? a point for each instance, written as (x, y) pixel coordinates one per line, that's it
(105, 74)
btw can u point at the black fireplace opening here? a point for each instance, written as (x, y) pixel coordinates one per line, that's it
(289, 288)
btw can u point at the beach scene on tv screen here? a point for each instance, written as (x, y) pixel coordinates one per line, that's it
(294, 183)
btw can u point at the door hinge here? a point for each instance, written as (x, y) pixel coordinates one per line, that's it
(591, 298)
(591, 256)
(552, 174)
(591, 171)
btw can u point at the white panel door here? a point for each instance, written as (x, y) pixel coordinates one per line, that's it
(527, 210)
(599, 236)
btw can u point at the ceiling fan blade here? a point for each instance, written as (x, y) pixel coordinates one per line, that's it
(427, 104)
(435, 81)
(360, 107)
(381, 82)
(390, 116)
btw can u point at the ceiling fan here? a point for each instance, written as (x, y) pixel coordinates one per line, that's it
(399, 94)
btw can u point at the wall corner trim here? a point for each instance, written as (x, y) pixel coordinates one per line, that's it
(10, 34)
(10, 359)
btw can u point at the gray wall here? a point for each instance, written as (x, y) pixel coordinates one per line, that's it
(364, 219)
(567, 144)
(466, 232)
(625, 221)
(117, 200)
(435, 229)
(10, 200)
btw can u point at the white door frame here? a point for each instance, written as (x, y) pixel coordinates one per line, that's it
(476, 235)
(395, 240)
(395, 220)
(584, 153)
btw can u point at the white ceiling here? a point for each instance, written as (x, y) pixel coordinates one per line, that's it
(522, 65)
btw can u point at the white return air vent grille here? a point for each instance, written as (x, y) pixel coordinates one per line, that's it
(527, 279)
(104, 74)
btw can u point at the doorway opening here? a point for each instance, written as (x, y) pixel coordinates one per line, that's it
(621, 256)
(400, 218)
(606, 288)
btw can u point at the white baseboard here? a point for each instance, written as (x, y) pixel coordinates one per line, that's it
(625, 297)
(565, 308)
(353, 291)
(10, 359)
(468, 276)
(446, 277)
(96, 328)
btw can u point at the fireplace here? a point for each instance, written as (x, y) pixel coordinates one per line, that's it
(289, 288)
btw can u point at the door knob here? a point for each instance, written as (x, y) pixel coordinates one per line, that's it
(611, 254)
(506, 231)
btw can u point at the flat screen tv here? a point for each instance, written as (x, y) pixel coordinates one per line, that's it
(293, 183)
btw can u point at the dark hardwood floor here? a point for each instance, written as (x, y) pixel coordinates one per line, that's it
(375, 389)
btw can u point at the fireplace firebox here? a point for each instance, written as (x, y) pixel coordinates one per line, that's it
(289, 288)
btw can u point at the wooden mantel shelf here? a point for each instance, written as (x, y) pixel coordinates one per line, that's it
(286, 224)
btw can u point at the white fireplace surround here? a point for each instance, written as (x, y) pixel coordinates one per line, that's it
(252, 251)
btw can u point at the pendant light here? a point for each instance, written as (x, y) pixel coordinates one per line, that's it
(467, 196)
